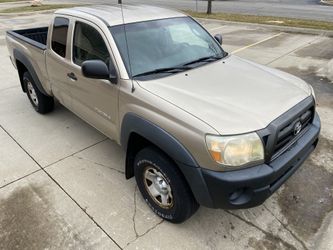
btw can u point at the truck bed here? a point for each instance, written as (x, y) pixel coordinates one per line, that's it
(36, 36)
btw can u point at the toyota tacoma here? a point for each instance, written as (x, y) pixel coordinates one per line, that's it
(199, 126)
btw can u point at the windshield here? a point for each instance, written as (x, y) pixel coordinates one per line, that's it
(162, 44)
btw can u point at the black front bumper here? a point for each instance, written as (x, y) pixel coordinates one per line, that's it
(250, 187)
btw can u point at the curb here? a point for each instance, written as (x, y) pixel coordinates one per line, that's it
(29, 13)
(288, 29)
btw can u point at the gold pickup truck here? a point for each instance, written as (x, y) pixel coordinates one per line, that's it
(199, 126)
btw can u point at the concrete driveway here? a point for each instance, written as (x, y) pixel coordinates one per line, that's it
(62, 183)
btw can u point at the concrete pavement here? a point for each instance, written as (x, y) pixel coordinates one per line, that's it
(62, 183)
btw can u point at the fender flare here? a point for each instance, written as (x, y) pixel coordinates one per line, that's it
(19, 56)
(192, 172)
(156, 135)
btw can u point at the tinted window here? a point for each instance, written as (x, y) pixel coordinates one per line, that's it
(59, 35)
(88, 44)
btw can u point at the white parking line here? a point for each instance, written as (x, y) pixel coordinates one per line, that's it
(216, 28)
(253, 44)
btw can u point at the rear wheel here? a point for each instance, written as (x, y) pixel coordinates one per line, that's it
(163, 186)
(42, 104)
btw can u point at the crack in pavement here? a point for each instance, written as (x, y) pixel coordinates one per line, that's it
(137, 235)
(141, 235)
(269, 234)
(286, 228)
(134, 214)
(99, 164)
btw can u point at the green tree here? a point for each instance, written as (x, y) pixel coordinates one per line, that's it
(120, 1)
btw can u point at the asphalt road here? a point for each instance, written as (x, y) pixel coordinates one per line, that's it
(304, 9)
(293, 2)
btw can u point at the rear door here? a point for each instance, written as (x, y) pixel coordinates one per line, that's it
(95, 101)
(58, 60)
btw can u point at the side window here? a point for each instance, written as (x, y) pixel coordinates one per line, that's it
(59, 36)
(88, 44)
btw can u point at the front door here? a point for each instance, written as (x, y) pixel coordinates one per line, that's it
(95, 101)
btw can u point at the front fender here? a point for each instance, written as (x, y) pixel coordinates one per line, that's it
(157, 136)
(192, 172)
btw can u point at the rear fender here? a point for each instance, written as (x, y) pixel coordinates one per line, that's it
(19, 56)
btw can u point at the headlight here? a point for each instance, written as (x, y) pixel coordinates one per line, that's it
(312, 91)
(235, 150)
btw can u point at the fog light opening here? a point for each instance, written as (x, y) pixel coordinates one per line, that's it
(240, 196)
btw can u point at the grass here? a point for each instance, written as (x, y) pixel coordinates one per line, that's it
(9, 1)
(280, 21)
(23, 9)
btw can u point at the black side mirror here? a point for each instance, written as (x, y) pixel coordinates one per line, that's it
(97, 69)
(218, 37)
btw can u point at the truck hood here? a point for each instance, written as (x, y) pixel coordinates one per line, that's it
(232, 95)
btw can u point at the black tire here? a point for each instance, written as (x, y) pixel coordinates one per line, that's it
(182, 203)
(42, 104)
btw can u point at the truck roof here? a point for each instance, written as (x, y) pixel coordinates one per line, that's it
(112, 14)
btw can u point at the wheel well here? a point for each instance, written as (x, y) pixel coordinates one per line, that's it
(135, 143)
(21, 69)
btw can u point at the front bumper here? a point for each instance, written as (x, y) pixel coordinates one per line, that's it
(250, 187)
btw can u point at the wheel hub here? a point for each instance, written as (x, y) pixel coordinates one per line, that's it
(158, 187)
(32, 93)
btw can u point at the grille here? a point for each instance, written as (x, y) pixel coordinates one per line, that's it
(287, 134)
(280, 134)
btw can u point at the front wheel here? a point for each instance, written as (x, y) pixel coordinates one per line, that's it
(42, 104)
(163, 186)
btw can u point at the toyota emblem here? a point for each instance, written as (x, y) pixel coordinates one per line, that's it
(297, 128)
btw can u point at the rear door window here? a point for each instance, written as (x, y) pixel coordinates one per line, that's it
(59, 36)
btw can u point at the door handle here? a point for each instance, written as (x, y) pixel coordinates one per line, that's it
(72, 76)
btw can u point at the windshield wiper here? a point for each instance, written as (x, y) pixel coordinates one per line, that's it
(205, 59)
(164, 70)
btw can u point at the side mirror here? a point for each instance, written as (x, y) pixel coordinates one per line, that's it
(97, 69)
(218, 37)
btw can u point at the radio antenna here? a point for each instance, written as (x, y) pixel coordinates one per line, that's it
(128, 56)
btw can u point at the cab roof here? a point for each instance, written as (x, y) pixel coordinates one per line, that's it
(112, 14)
